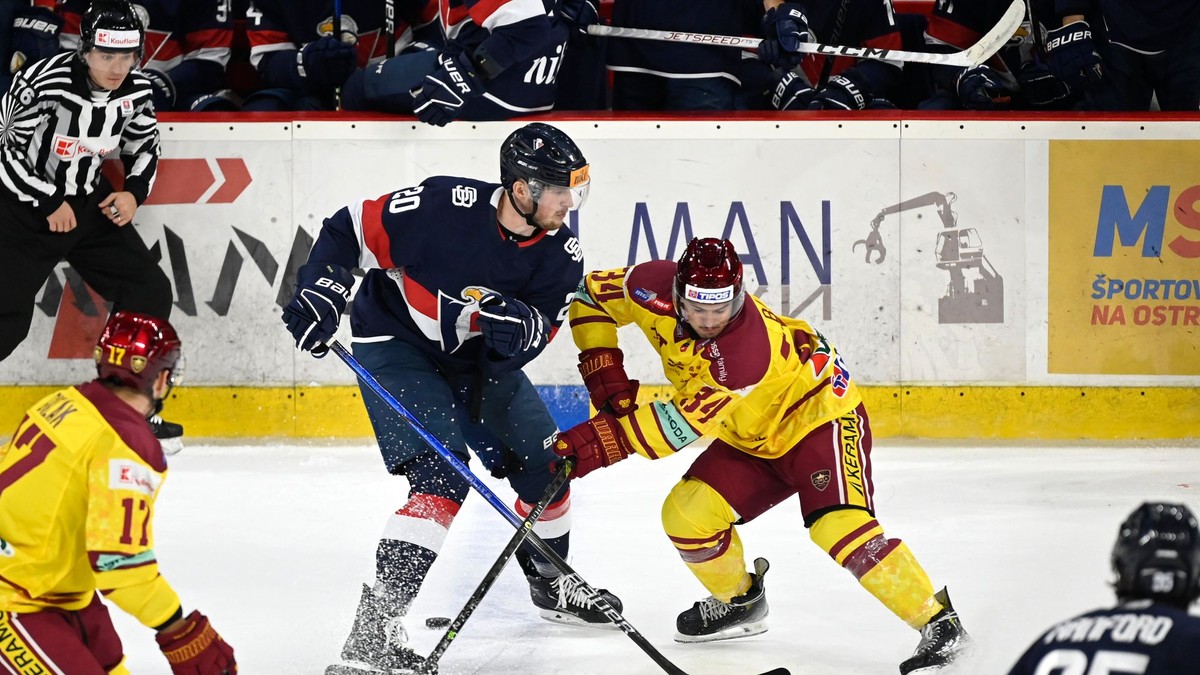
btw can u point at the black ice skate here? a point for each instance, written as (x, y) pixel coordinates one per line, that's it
(743, 616)
(169, 434)
(376, 642)
(942, 640)
(563, 599)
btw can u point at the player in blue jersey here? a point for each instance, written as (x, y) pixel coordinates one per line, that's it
(1156, 562)
(471, 60)
(466, 281)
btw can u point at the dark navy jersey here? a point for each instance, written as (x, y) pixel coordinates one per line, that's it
(430, 252)
(1134, 638)
(673, 59)
(1143, 25)
(283, 26)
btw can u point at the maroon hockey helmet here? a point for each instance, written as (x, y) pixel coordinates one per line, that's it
(134, 348)
(709, 273)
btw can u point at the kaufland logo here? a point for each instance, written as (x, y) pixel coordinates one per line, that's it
(118, 39)
(709, 295)
(68, 147)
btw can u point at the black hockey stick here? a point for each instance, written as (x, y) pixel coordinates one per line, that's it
(429, 667)
(585, 588)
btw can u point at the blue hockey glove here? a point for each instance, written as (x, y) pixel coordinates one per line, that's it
(784, 29)
(1072, 55)
(325, 63)
(841, 93)
(34, 36)
(446, 90)
(1041, 87)
(164, 89)
(312, 317)
(793, 92)
(510, 326)
(579, 14)
(982, 88)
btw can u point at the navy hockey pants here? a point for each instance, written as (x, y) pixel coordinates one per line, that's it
(512, 439)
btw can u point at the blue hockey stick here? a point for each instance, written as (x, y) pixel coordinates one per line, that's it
(592, 594)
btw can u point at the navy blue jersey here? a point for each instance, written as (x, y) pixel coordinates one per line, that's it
(1134, 638)
(673, 59)
(1143, 25)
(283, 26)
(431, 252)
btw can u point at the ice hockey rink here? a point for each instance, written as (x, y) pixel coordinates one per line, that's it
(273, 542)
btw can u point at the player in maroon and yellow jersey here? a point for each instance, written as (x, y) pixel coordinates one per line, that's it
(787, 419)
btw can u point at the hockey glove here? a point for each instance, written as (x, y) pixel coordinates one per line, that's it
(325, 63)
(784, 29)
(312, 317)
(164, 89)
(196, 649)
(840, 93)
(579, 14)
(1072, 55)
(793, 92)
(595, 443)
(34, 36)
(1041, 88)
(510, 326)
(604, 376)
(982, 88)
(446, 90)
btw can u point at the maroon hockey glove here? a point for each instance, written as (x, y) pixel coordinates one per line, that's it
(596, 443)
(604, 376)
(195, 648)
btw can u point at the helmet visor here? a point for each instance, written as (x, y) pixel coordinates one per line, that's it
(574, 197)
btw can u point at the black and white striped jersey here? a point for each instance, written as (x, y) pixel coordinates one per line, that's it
(55, 132)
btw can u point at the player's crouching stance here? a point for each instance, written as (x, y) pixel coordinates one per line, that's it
(788, 421)
(1156, 568)
(466, 282)
(78, 484)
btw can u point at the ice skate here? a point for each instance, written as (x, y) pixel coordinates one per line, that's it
(743, 616)
(376, 642)
(563, 599)
(942, 640)
(169, 434)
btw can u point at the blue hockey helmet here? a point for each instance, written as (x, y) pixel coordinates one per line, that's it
(543, 156)
(1157, 554)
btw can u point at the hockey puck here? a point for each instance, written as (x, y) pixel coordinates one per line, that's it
(437, 622)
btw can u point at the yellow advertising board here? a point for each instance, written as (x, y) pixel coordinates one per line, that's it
(1124, 256)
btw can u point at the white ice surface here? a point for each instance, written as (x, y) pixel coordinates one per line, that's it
(273, 542)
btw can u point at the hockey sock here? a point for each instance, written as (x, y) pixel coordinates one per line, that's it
(699, 523)
(885, 567)
(411, 541)
(554, 527)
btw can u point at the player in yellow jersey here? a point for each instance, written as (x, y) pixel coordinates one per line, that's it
(787, 420)
(78, 483)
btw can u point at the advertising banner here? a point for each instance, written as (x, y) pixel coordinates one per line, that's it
(1124, 269)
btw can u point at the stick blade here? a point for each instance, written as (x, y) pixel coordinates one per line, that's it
(778, 671)
(995, 38)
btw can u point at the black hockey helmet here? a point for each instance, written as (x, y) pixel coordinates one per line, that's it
(1157, 555)
(112, 25)
(542, 155)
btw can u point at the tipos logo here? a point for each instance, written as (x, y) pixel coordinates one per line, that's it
(820, 479)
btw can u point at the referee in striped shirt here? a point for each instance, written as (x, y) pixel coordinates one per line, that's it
(59, 120)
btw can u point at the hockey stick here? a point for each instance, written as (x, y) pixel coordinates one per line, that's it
(974, 55)
(429, 667)
(585, 588)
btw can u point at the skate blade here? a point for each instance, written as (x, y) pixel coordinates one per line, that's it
(572, 620)
(731, 633)
(363, 669)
